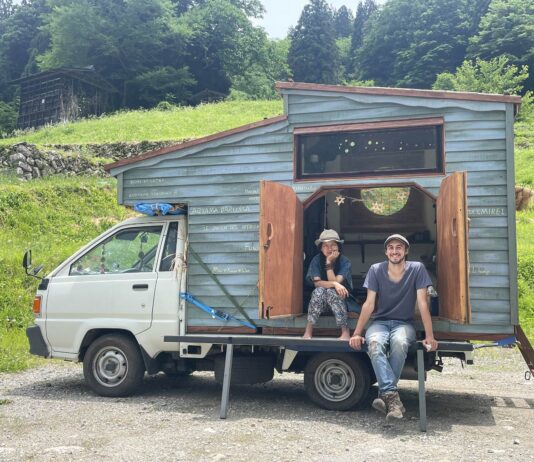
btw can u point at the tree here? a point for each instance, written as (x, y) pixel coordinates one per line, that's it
(507, 29)
(313, 55)
(122, 40)
(222, 44)
(251, 8)
(6, 8)
(363, 13)
(343, 20)
(258, 79)
(494, 76)
(433, 38)
(20, 41)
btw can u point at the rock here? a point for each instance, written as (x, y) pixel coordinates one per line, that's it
(516, 441)
(16, 157)
(25, 167)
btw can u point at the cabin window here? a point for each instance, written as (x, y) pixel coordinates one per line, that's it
(370, 149)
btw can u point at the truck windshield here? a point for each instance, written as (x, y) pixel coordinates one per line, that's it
(132, 250)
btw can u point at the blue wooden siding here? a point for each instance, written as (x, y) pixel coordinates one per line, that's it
(219, 182)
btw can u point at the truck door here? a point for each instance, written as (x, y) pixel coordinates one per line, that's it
(452, 257)
(281, 251)
(111, 286)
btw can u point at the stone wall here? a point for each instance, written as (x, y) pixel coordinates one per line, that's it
(27, 161)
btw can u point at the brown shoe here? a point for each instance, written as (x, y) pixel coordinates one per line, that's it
(394, 406)
(380, 404)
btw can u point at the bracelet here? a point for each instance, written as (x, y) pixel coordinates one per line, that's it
(328, 266)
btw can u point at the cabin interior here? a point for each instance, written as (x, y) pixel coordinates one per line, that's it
(364, 217)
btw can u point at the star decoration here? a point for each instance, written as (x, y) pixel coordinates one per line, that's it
(339, 200)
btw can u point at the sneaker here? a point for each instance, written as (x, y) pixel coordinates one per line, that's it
(394, 406)
(380, 405)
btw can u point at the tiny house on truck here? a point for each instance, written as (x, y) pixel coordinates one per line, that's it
(368, 162)
(437, 167)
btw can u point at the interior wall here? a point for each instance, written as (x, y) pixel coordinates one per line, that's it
(366, 248)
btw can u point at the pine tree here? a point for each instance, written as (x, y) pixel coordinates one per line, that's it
(363, 13)
(313, 54)
(343, 20)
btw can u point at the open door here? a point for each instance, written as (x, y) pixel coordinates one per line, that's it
(453, 262)
(281, 251)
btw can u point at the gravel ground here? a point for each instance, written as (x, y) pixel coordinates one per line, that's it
(481, 413)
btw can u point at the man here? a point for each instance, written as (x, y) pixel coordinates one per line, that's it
(330, 274)
(398, 284)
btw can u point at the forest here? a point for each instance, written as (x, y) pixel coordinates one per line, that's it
(168, 51)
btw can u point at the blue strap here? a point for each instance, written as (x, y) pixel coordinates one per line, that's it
(215, 314)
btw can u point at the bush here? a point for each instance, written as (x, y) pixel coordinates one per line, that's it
(8, 118)
(493, 76)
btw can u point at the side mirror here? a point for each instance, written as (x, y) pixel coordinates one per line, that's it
(27, 259)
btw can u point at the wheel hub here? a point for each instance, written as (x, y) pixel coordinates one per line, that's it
(335, 380)
(110, 367)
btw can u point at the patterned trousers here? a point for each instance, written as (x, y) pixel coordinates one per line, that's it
(321, 300)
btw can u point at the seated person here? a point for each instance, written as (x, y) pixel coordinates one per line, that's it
(330, 273)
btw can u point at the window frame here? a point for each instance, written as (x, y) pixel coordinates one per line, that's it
(439, 170)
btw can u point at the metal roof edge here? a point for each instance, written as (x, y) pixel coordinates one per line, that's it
(388, 91)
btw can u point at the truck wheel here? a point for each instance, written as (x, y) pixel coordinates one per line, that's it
(113, 366)
(337, 381)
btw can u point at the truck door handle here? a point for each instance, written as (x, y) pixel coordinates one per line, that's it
(140, 287)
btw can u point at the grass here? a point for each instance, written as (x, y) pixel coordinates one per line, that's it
(154, 125)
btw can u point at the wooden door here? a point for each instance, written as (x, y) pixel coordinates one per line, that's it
(281, 251)
(453, 261)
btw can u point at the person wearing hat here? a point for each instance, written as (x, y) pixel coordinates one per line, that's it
(393, 287)
(330, 273)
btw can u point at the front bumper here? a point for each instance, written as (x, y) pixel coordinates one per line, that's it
(38, 345)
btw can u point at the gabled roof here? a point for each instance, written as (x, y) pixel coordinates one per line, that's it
(198, 141)
(437, 94)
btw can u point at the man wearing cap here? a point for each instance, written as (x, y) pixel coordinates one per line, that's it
(393, 287)
(330, 273)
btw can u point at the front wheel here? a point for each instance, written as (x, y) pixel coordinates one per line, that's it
(337, 381)
(113, 366)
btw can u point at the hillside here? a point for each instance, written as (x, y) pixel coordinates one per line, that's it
(56, 216)
(175, 123)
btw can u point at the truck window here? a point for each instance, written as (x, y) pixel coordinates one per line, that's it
(169, 251)
(131, 250)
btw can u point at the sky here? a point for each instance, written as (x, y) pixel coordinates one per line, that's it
(282, 14)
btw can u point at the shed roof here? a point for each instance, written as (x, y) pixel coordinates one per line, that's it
(299, 87)
(436, 94)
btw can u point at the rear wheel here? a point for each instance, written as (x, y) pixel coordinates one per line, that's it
(113, 366)
(337, 381)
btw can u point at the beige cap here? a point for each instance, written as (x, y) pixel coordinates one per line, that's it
(328, 235)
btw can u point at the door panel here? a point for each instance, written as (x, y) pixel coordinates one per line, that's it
(453, 262)
(281, 251)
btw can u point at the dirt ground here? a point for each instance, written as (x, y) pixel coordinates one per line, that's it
(484, 412)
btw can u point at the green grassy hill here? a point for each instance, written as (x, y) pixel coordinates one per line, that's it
(178, 123)
(56, 216)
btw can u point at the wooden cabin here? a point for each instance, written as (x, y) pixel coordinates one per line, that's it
(435, 166)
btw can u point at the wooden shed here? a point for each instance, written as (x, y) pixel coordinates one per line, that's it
(61, 95)
(436, 166)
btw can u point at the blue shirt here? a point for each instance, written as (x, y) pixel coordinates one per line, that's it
(396, 300)
(345, 270)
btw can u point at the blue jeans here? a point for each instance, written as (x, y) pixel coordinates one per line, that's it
(387, 345)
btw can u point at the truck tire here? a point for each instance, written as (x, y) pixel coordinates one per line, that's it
(113, 366)
(246, 369)
(337, 381)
